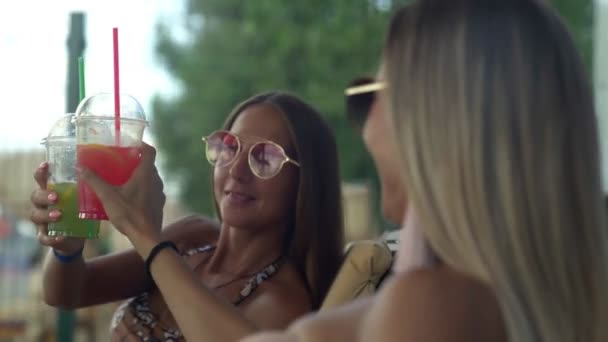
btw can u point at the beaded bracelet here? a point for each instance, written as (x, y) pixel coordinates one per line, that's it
(162, 245)
(66, 259)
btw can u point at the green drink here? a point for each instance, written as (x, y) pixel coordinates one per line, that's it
(61, 155)
(69, 224)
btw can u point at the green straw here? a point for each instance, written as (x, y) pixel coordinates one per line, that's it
(81, 87)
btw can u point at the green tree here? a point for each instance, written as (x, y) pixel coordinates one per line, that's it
(240, 48)
(578, 15)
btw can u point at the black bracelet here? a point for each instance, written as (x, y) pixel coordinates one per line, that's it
(162, 245)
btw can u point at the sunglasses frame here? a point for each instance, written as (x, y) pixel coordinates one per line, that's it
(365, 88)
(286, 159)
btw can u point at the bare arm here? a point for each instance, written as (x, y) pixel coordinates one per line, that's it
(112, 277)
(79, 283)
(202, 316)
(334, 325)
(339, 324)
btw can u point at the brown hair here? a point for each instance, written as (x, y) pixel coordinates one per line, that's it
(315, 242)
(498, 136)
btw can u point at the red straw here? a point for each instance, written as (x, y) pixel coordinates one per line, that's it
(116, 88)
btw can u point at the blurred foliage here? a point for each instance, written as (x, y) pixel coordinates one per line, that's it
(578, 15)
(312, 48)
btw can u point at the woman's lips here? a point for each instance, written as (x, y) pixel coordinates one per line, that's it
(238, 198)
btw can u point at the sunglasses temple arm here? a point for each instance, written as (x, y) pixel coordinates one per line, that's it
(289, 160)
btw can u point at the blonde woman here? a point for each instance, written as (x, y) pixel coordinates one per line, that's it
(494, 116)
(496, 131)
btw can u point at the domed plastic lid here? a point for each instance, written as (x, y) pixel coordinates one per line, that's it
(102, 106)
(63, 128)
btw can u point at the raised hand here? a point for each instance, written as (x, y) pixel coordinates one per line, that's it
(41, 215)
(136, 208)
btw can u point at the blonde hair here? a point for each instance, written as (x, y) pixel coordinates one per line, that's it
(497, 133)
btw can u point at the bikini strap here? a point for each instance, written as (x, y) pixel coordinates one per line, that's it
(254, 282)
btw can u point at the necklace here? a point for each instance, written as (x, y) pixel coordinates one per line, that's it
(249, 275)
(231, 281)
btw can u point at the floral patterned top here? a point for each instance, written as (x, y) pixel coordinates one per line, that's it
(135, 321)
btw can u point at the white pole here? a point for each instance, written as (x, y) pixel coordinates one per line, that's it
(600, 67)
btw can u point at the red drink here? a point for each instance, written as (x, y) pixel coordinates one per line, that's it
(113, 164)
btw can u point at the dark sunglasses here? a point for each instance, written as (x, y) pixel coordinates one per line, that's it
(359, 97)
(266, 158)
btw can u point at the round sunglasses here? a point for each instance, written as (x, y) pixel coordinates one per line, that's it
(266, 158)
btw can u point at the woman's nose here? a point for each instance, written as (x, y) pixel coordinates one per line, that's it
(239, 169)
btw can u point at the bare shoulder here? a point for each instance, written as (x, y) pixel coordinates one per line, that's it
(279, 300)
(435, 305)
(335, 324)
(192, 230)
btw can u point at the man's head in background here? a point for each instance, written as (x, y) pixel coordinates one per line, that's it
(364, 111)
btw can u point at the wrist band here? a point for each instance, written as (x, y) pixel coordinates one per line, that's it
(162, 245)
(66, 259)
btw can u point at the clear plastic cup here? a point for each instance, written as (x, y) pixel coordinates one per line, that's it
(111, 152)
(61, 155)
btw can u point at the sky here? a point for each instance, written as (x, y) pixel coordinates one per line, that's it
(600, 70)
(33, 58)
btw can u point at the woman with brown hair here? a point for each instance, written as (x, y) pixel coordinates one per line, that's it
(494, 123)
(270, 259)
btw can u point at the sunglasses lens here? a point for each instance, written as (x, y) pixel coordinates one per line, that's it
(222, 147)
(266, 159)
